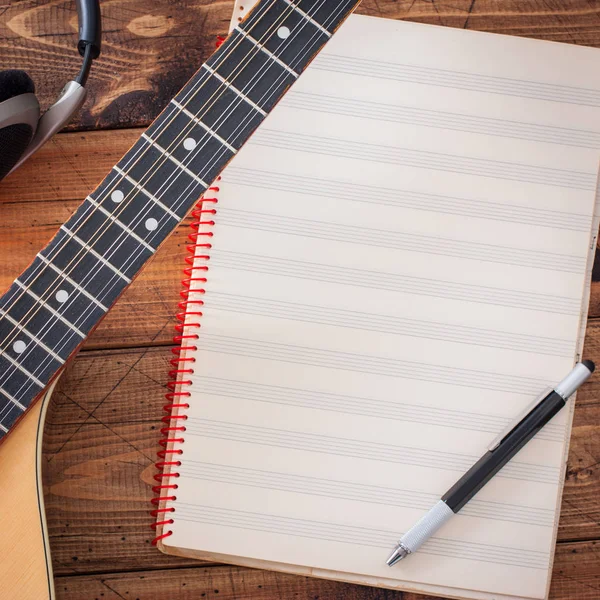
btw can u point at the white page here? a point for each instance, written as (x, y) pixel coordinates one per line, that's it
(398, 264)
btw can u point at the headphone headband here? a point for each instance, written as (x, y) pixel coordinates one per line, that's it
(90, 30)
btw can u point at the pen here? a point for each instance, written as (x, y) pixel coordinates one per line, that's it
(500, 451)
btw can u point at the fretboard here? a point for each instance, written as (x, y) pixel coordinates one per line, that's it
(52, 307)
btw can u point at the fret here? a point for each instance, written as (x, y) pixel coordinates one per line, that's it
(37, 356)
(308, 17)
(53, 312)
(16, 365)
(255, 76)
(48, 283)
(72, 283)
(83, 268)
(108, 243)
(329, 14)
(12, 400)
(93, 252)
(196, 151)
(122, 189)
(120, 224)
(209, 99)
(41, 322)
(47, 313)
(22, 350)
(286, 33)
(99, 280)
(15, 385)
(237, 92)
(28, 357)
(16, 325)
(267, 52)
(9, 412)
(172, 186)
(196, 120)
(175, 161)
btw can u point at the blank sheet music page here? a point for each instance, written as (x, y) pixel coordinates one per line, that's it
(397, 269)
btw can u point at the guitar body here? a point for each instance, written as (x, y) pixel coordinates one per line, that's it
(25, 565)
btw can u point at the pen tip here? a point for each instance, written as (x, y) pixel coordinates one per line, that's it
(589, 364)
(396, 556)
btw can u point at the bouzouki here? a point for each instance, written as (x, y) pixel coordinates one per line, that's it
(54, 305)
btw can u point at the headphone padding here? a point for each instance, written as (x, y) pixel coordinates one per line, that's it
(14, 83)
(14, 139)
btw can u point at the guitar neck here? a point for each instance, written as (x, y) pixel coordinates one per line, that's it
(52, 307)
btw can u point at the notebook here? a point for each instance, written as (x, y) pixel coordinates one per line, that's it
(394, 266)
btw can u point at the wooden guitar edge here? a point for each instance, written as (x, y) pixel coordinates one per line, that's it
(24, 542)
(39, 445)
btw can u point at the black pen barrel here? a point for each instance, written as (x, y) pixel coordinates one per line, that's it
(491, 462)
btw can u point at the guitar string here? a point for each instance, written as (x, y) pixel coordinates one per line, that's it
(238, 101)
(123, 234)
(267, 66)
(135, 192)
(234, 133)
(255, 50)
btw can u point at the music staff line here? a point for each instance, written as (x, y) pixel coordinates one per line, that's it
(387, 323)
(504, 86)
(385, 408)
(362, 449)
(348, 534)
(394, 282)
(360, 492)
(402, 240)
(414, 115)
(402, 198)
(424, 159)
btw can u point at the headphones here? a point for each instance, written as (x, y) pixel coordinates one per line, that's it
(22, 131)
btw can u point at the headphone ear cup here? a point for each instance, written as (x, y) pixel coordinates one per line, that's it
(19, 116)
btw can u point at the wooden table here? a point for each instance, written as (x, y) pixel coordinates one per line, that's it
(101, 434)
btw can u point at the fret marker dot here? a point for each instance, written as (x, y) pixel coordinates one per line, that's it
(19, 346)
(189, 143)
(151, 224)
(117, 196)
(62, 296)
(283, 32)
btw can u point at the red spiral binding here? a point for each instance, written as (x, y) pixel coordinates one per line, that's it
(184, 338)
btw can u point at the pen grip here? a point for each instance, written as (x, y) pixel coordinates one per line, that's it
(491, 462)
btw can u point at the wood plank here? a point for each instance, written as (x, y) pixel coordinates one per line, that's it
(103, 428)
(575, 577)
(216, 583)
(48, 191)
(152, 47)
(101, 442)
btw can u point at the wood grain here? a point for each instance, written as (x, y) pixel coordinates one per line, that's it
(152, 47)
(102, 428)
(575, 577)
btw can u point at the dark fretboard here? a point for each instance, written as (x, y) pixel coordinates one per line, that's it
(52, 307)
